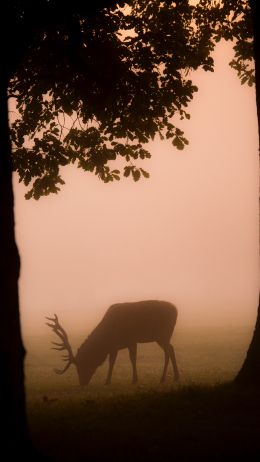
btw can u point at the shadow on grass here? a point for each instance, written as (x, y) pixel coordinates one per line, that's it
(190, 423)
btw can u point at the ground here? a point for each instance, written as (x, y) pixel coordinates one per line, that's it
(204, 418)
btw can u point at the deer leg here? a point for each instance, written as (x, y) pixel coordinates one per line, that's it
(166, 360)
(174, 364)
(132, 353)
(112, 360)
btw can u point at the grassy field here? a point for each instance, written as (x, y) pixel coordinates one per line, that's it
(203, 418)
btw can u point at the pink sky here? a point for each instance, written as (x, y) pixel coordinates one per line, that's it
(188, 235)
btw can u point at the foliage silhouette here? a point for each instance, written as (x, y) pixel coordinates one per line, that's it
(94, 89)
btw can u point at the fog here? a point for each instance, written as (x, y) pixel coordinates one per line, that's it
(189, 234)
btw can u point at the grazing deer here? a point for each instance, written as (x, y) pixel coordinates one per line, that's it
(123, 326)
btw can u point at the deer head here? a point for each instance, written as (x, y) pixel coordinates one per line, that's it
(86, 360)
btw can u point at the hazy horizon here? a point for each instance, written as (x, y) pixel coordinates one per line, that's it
(189, 234)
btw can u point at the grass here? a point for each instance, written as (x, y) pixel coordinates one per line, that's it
(195, 423)
(204, 419)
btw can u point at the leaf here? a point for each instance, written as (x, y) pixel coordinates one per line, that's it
(144, 173)
(178, 143)
(127, 171)
(136, 174)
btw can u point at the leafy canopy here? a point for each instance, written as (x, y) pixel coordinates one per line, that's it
(100, 86)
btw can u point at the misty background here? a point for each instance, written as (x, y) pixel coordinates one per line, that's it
(188, 235)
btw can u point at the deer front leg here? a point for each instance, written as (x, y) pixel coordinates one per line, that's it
(166, 349)
(166, 362)
(174, 364)
(132, 353)
(112, 360)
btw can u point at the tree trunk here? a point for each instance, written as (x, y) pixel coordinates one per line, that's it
(15, 437)
(14, 431)
(249, 374)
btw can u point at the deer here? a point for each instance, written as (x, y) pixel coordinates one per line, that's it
(124, 325)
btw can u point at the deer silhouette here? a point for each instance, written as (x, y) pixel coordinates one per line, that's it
(123, 326)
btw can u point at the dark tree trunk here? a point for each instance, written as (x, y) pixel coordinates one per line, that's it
(13, 414)
(15, 437)
(249, 374)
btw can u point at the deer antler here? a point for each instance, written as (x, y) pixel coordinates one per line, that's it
(65, 345)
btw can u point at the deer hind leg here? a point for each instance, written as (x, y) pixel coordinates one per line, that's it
(166, 349)
(133, 353)
(174, 364)
(112, 360)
